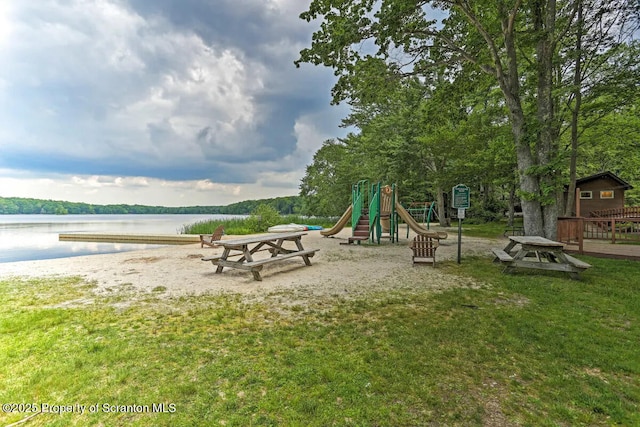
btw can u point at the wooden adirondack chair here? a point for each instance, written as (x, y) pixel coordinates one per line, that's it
(210, 239)
(424, 249)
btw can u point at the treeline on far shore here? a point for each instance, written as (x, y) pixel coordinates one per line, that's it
(17, 205)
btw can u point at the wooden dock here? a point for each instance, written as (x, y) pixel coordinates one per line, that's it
(603, 249)
(154, 239)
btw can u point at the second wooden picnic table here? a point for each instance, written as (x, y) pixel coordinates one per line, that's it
(246, 247)
(547, 255)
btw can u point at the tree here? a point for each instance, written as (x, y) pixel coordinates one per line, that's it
(599, 68)
(263, 217)
(515, 42)
(326, 186)
(614, 146)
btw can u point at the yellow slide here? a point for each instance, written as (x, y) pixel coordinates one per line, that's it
(408, 219)
(344, 219)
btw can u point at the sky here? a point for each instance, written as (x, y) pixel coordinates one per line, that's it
(159, 102)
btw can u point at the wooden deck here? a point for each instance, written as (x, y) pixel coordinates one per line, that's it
(602, 249)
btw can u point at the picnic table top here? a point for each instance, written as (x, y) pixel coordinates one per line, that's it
(535, 241)
(261, 238)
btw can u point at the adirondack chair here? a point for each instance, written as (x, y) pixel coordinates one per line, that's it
(210, 239)
(424, 249)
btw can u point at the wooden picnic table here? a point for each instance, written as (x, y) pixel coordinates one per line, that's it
(246, 247)
(539, 253)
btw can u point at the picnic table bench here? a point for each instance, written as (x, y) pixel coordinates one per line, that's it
(539, 253)
(246, 247)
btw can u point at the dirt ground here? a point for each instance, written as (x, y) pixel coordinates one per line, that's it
(336, 269)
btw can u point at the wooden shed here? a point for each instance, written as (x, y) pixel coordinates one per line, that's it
(603, 190)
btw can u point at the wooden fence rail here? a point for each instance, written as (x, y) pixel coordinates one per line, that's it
(574, 230)
(571, 230)
(626, 212)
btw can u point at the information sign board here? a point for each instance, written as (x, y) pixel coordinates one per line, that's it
(460, 199)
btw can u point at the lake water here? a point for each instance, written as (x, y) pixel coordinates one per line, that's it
(32, 237)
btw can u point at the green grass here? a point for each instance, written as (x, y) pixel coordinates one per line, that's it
(236, 226)
(520, 349)
(240, 226)
(489, 230)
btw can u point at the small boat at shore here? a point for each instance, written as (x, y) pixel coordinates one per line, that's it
(285, 228)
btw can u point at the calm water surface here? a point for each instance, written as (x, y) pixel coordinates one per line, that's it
(32, 237)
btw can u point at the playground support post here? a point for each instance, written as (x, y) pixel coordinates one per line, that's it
(393, 219)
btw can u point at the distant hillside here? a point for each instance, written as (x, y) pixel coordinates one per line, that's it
(18, 205)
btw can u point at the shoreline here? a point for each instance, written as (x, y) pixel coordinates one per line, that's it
(179, 270)
(37, 237)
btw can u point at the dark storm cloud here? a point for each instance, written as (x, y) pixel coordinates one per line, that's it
(171, 89)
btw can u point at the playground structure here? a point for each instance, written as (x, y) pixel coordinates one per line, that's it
(423, 212)
(375, 213)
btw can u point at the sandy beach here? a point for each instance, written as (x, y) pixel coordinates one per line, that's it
(336, 269)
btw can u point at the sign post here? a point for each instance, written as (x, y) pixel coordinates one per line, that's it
(460, 200)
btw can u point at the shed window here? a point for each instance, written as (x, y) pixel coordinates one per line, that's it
(606, 194)
(586, 195)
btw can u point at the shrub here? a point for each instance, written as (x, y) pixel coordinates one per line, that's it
(263, 217)
(486, 211)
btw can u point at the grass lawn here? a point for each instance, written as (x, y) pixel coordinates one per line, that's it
(516, 350)
(489, 230)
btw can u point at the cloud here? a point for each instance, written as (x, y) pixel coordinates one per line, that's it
(5, 23)
(101, 182)
(140, 89)
(100, 189)
(171, 90)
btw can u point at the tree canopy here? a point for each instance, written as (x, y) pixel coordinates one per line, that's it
(433, 94)
(18, 205)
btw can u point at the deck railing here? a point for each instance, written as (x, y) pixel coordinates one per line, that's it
(626, 212)
(613, 229)
(571, 230)
(575, 230)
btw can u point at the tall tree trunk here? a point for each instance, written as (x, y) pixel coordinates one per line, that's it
(577, 94)
(443, 218)
(546, 150)
(436, 165)
(512, 203)
(529, 184)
